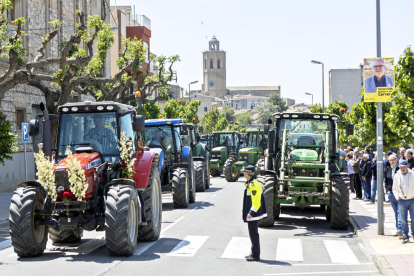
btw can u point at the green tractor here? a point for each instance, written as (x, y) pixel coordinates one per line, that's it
(224, 144)
(303, 167)
(256, 143)
(201, 156)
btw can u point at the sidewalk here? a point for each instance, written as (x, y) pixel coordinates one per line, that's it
(391, 256)
(4, 209)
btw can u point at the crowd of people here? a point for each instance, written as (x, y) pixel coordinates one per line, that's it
(398, 183)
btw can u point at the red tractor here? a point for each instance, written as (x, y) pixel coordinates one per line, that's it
(127, 210)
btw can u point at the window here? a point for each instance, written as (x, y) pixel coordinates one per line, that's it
(205, 109)
(205, 63)
(211, 63)
(218, 64)
(20, 117)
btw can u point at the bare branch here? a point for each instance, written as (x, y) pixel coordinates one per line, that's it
(13, 57)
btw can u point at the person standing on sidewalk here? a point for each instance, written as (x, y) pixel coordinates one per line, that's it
(401, 154)
(374, 180)
(355, 162)
(403, 190)
(366, 175)
(350, 171)
(390, 172)
(409, 157)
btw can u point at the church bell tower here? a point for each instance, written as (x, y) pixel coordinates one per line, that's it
(214, 70)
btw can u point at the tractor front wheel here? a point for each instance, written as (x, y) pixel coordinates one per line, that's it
(27, 237)
(228, 174)
(339, 203)
(214, 172)
(181, 188)
(199, 176)
(259, 166)
(121, 220)
(268, 184)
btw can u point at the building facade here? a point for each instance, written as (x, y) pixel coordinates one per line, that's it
(21, 103)
(345, 85)
(264, 91)
(214, 70)
(245, 102)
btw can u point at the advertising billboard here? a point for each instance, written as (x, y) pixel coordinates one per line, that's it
(378, 79)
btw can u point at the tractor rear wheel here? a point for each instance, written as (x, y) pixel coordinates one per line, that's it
(199, 176)
(66, 235)
(27, 237)
(206, 173)
(259, 166)
(181, 188)
(268, 184)
(228, 174)
(214, 172)
(339, 203)
(121, 220)
(192, 183)
(152, 208)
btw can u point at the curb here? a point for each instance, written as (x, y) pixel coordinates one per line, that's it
(4, 223)
(380, 261)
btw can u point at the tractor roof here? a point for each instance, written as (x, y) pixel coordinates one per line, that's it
(305, 115)
(157, 122)
(260, 131)
(89, 106)
(225, 132)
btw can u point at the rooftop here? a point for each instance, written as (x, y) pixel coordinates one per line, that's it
(253, 88)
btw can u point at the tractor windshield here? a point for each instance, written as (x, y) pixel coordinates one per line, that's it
(304, 132)
(252, 140)
(96, 130)
(223, 139)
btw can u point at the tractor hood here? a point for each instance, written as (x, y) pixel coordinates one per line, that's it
(304, 155)
(219, 149)
(88, 162)
(249, 150)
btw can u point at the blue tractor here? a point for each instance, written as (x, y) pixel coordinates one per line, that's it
(176, 160)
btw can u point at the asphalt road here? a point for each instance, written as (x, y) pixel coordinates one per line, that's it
(208, 238)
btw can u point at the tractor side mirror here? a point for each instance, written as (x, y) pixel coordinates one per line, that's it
(349, 129)
(201, 129)
(184, 130)
(33, 127)
(266, 129)
(139, 123)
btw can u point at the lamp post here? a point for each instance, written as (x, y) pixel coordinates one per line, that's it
(307, 93)
(323, 93)
(189, 89)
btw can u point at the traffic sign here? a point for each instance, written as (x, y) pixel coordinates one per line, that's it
(25, 129)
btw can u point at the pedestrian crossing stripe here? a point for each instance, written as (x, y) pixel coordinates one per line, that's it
(287, 249)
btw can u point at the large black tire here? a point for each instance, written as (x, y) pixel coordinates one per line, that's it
(28, 238)
(199, 176)
(66, 235)
(121, 220)
(268, 184)
(180, 188)
(192, 183)
(214, 172)
(339, 203)
(207, 173)
(259, 166)
(228, 175)
(152, 208)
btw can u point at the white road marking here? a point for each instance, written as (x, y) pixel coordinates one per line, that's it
(195, 208)
(324, 272)
(237, 248)
(142, 247)
(5, 244)
(289, 250)
(172, 224)
(87, 247)
(340, 252)
(189, 246)
(321, 264)
(213, 195)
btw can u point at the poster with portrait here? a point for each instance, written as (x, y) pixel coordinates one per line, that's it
(378, 79)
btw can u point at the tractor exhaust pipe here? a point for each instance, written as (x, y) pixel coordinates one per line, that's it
(47, 132)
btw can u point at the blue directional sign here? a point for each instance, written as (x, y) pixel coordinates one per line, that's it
(25, 129)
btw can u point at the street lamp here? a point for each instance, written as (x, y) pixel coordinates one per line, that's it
(323, 94)
(307, 93)
(189, 89)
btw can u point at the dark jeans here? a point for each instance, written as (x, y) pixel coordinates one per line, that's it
(351, 183)
(254, 237)
(357, 184)
(394, 205)
(366, 184)
(405, 206)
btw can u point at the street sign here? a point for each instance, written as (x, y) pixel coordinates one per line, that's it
(25, 130)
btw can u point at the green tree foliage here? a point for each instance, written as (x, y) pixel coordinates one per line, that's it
(404, 74)
(150, 111)
(265, 111)
(7, 140)
(213, 121)
(187, 110)
(229, 112)
(236, 127)
(244, 119)
(277, 101)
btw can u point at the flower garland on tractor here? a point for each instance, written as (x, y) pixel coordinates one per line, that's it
(125, 153)
(45, 172)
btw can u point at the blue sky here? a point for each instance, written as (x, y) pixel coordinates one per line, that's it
(272, 42)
